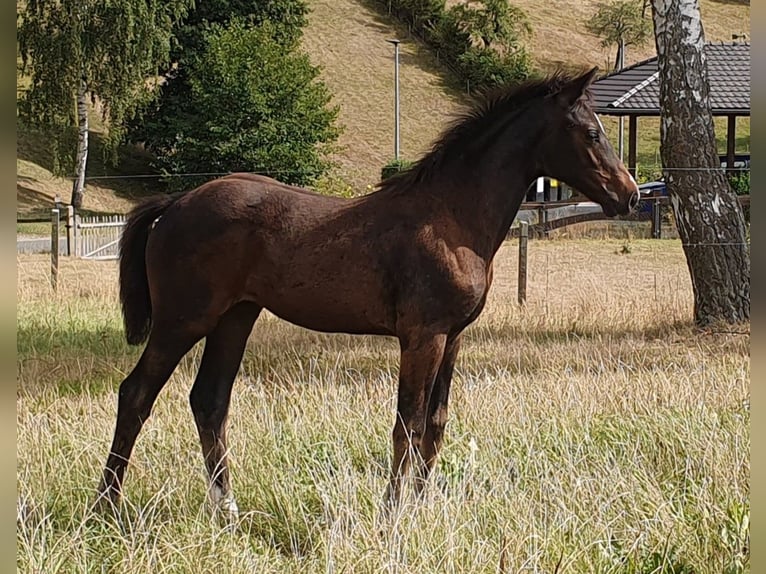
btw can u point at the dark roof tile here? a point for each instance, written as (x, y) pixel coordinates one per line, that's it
(636, 89)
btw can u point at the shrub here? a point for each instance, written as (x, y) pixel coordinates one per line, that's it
(393, 167)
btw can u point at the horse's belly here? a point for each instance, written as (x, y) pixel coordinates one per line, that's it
(319, 316)
(323, 304)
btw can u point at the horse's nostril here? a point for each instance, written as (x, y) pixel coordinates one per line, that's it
(633, 201)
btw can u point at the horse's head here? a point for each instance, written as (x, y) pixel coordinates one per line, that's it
(576, 150)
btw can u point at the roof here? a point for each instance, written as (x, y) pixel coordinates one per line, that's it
(635, 90)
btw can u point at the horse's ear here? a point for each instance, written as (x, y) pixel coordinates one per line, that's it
(574, 90)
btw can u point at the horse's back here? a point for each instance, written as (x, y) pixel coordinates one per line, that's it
(306, 257)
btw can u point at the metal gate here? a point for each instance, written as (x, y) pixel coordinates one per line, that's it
(98, 237)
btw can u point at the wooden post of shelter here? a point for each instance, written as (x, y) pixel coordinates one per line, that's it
(632, 134)
(54, 248)
(731, 141)
(523, 239)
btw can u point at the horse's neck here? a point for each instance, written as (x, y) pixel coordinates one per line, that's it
(486, 204)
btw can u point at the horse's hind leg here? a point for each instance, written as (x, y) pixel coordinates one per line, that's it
(137, 394)
(211, 393)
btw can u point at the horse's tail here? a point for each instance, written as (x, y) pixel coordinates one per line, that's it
(134, 285)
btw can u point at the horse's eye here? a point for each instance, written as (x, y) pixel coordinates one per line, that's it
(593, 134)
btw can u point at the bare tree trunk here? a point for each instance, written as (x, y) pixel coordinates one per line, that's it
(707, 213)
(78, 187)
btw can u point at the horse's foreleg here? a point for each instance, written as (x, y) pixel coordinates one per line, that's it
(211, 394)
(420, 359)
(436, 419)
(137, 394)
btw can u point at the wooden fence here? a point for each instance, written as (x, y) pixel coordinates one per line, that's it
(98, 237)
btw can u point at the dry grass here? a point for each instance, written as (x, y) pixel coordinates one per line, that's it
(559, 37)
(347, 38)
(595, 429)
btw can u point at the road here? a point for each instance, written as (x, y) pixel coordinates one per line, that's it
(29, 245)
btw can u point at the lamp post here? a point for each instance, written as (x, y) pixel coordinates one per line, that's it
(621, 124)
(395, 42)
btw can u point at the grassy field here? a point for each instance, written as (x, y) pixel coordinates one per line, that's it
(593, 430)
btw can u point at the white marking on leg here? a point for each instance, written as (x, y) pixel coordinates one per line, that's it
(224, 502)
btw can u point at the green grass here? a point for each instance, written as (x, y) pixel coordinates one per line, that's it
(595, 430)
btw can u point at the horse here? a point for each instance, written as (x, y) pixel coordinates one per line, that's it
(411, 260)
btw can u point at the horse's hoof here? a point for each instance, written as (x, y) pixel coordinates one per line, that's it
(224, 505)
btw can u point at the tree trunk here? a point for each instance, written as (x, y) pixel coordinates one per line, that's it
(707, 213)
(78, 187)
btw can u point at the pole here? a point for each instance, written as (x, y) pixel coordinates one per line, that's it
(523, 238)
(54, 248)
(396, 42)
(621, 124)
(69, 228)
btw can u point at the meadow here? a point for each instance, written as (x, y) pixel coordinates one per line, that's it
(592, 430)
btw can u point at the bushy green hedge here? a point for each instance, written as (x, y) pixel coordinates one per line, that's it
(457, 36)
(393, 167)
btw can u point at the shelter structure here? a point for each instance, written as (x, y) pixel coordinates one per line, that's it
(634, 92)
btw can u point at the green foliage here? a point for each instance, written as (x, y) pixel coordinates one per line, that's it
(488, 68)
(617, 20)
(287, 19)
(492, 23)
(480, 39)
(244, 103)
(330, 183)
(647, 173)
(740, 182)
(113, 45)
(393, 167)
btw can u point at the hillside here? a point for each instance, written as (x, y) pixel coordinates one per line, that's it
(347, 38)
(559, 36)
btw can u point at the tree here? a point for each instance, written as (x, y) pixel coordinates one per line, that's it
(287, 19)
(102, 50)
(246, 105)
(620, 22)
(707, 213)
(492, 23)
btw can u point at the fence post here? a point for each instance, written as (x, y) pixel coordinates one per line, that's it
(54, 248)
(76, 233)
(69, 226)
(657, 218)
(523, 239)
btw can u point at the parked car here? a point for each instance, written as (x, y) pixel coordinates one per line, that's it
(652, 188)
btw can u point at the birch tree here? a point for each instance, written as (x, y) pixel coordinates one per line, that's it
(81, 51)
(707, 213)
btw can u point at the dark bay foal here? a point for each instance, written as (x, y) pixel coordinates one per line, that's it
(412, 260)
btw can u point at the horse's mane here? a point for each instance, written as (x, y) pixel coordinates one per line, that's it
(490, 112)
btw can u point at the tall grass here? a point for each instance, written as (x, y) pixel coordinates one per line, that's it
(594, 430)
